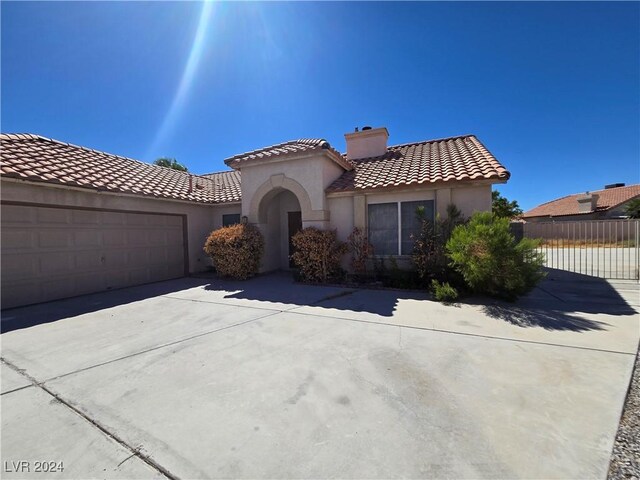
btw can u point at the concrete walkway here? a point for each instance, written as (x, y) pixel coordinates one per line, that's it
(201, 378)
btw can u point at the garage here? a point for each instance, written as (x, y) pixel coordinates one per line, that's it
(53, 252)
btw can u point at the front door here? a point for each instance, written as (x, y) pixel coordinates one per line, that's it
(295, 225)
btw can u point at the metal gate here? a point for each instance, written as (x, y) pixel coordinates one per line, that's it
(600, 248)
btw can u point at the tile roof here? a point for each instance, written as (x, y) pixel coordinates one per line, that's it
(40, 159)
(288, 148)
(461, 158)
(226, 185)
(607, 199)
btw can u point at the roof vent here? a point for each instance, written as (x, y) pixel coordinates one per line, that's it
(366, 128)
(613, 185)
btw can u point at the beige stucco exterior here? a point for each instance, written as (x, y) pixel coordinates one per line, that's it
(307, 176)
(200, 219)
(367, 143)
(271, 189)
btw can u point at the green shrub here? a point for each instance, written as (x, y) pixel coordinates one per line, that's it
(490, 259)
(633, 208)
(236, 250)
(318, 254)
(443, 292)
(361, 250)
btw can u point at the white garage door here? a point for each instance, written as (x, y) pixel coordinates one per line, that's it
(50, 253)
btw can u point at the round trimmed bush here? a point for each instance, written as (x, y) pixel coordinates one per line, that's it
(490, 259)
(318, 254)
(236, 250)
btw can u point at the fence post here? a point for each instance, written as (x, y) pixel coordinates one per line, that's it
(637, 250)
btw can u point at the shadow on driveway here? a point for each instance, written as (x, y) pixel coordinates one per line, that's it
(31, 315)
(549, 319)
(280, 288)
(560, 301)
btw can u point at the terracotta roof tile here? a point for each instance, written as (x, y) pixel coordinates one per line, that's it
(226, 185)
(36, 158)
(288, 148)
(607, 199)
(449, 159)
(39, 159)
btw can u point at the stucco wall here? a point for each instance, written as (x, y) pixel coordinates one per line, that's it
(201, 219)
(313, 174)
(341, 209)
(401, 196)
(217, 211)
(472, 199)
(343, 212)
(468, 198)
(350, 211)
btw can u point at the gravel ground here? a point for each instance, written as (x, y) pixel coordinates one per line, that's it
(625, 459)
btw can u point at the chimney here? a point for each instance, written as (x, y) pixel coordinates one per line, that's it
(587, 203)
(369, 142)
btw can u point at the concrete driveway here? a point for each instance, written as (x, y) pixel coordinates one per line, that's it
(200, 378)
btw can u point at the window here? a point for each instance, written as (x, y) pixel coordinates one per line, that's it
(383, 228)
(392, 224)
(230, 219)
(411, 222)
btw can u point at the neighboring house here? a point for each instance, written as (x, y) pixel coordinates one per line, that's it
(606, 204)
(75, 220)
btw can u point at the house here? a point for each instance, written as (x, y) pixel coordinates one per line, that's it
(76, 220)
(605, 204)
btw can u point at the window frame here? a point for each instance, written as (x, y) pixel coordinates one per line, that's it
(399, 226)
(369, 233)
(230, 215)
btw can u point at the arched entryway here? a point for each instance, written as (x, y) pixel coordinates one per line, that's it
(280, 206)
(281, 217)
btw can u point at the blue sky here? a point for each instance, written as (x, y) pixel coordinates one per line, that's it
(552, 89)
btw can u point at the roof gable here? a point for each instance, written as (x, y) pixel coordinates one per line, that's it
(290, 148)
